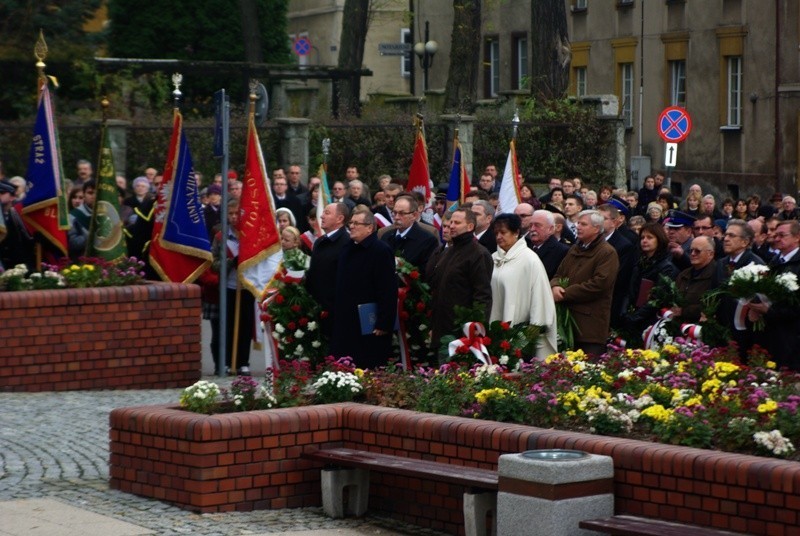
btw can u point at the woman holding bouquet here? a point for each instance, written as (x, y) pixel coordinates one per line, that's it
(646, 281)
(520, 287)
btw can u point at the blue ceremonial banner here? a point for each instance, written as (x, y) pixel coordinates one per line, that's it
(184, 225)
(44, 206)
(459, 182)
(180, 249)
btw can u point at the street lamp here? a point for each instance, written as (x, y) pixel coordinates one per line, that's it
(425, 52)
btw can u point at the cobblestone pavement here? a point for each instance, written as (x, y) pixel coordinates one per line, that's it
(55, 446)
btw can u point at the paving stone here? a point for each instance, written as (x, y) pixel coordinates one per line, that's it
(54, 458)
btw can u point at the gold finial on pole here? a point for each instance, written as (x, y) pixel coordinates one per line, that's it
(105, 103)
(40, 53)
(253, 95)
(177, 78)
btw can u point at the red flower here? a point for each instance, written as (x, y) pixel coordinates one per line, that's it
(289, 340)
(487, 341)
(324, 314)
(505, 325)
(414, 274)
(404, 315)
(291, 325)
(279, 299)
(265, 317)
(517, 353)
(505, 345)
(296, 308)
(303, 321)
(420, 306)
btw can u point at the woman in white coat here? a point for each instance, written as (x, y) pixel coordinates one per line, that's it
(520, 287)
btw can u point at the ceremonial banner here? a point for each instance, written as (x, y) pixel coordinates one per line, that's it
(419, 177)
(180, 249)
(258, 230)
(106, 237)
(509, 188)
(45, 204)
(459, 180)
(324, 194)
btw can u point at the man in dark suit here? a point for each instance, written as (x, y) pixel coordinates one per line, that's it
(525, 213)
(282, 199)
(760, 245)
(626, 253)
(550, 251)
(408, 240)
(781, 335)
(321, 274)
(484, 214)
(736, 245)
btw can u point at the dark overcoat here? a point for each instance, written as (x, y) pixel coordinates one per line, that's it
(366, 275)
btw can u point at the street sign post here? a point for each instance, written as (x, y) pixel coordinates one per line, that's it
(674, 125)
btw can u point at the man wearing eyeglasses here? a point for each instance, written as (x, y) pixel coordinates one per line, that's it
(736, 244)
(408, 240)
(321, 274)
(366, 295)
(781, 335)
(704, 226)
(339, 195)
(696, 280)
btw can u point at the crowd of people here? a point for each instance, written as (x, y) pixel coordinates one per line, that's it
(602, 254)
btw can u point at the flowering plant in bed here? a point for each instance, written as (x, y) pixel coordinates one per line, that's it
(87, 272)
(683, 394)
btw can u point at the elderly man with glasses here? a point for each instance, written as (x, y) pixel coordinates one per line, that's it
(408, 239)
(696, 280)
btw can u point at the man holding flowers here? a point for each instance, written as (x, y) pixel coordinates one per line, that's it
(781, 335)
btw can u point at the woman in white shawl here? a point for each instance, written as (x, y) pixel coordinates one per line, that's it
(520, 288)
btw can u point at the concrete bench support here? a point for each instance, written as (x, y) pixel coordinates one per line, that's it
(476, 507)
(334, 483)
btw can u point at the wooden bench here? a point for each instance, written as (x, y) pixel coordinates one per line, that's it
(349, 469)
(642, 526)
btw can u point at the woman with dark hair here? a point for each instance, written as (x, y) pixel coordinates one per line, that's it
(528, 195)
(520, 287)
(667, 201)
(740, 210)
(753, 207)
(654, 260)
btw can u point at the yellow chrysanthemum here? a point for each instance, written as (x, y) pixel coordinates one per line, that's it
(770, 364)
(74, 267)
(658, 413)
(494, 393)
(651, 355)
(670, 349)
(359, 372)
(711, 386)
(768, 406)
(608, 378)
(724, 368)
(694, 401)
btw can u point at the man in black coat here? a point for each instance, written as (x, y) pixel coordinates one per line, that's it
(781, 335)
(550, 251)
(736, 245)
(484, 215)
(626, 252)
(366, 296)
(408, 240)
(322, 272)
(282, 199)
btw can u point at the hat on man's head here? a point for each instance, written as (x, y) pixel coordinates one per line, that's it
(620, 204)
(7, 188)
(214, 189)
(677, 219)
(776, 197)
(441, 196)
(553, 208)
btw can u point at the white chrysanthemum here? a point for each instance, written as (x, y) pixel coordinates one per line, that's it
(774, 441)
(788, 280)
(279, 328)
(316, 344)
(311, 326)
(298, 334)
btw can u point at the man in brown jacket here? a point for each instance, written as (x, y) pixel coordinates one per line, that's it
(461, 276)
(590, 269)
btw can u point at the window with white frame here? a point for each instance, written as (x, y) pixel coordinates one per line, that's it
(626, 85)
(494, 67)
(734, 91)
(406, 59)
(581, 4)
(521, 45)
(677, 83)
(580, 81)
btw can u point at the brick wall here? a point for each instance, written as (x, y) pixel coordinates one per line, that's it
(135, 337)
(245, 461)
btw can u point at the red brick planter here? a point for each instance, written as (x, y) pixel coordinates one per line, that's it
(246, 461)
(136, 337)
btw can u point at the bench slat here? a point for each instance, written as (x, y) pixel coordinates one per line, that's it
(641, 526)
(385, 463)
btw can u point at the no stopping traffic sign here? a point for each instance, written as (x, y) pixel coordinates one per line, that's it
(674, 124)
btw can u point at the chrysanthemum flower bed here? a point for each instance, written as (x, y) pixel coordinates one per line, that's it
(683, 394)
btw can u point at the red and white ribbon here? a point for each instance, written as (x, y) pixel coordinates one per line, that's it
(649, 335)
(692, 332)
(474, 333)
